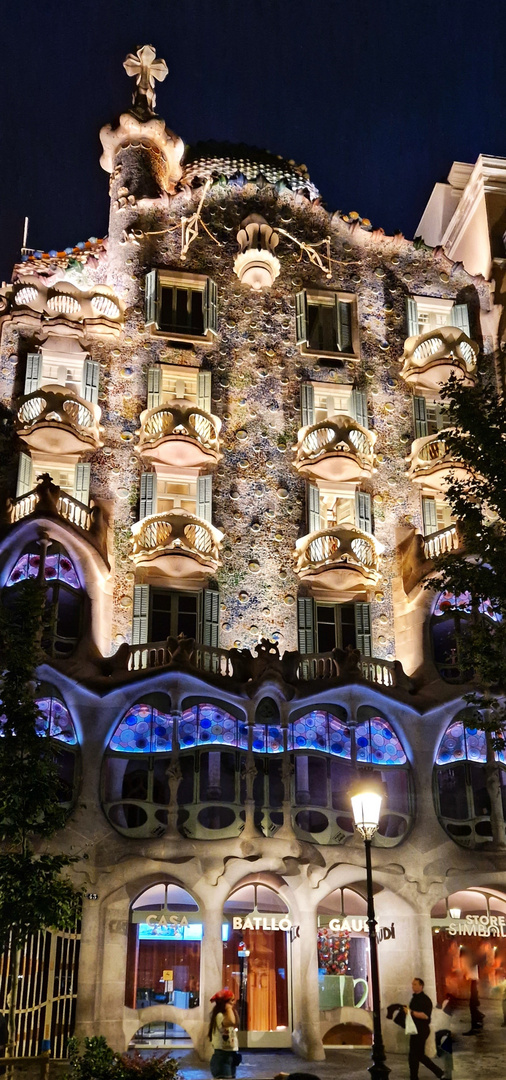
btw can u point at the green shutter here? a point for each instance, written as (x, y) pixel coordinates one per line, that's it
(147, 501)
(363, 628)
(90, 379)
(429, 515)
(205, 498)
(33, 372)
(459, 316)
(307, 410)
(343, 326)
(305, 617)
(154, 386)
(363, 511)
(411, 317)
(359, 407)
(140, 615)
(211, 307)
(151, 298)
(313, 508)
(420, 417)
(211, 618)
(204, 390)
(25, 473)
(82, 482)
(301, 318)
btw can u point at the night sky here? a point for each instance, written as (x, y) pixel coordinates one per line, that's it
(376, 97)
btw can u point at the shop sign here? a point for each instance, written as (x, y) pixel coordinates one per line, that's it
(162, 918)
(259, 922)
(358, 924)
(479, 926)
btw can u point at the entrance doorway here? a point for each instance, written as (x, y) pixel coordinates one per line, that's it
(256, 964)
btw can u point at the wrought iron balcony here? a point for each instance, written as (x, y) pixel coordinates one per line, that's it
(179, 434)
(343, 560)
(432, 464)
(57, 420)
(338, 449)
(47, 500)
(431, 358)
(180, 544)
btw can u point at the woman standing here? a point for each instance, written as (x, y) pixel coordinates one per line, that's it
(223, 1035)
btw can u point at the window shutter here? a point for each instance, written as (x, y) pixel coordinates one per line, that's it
(363, 511)
(305, 624)
(140, 615)
(359, 407)
(343, 325)
(90, 381)
(151, 298)
(24, 482)
(429, 515)
(211, 307)
(205, 498)
(363, 628)
(204, 390)
(301, 318)
(82, 482)
(313, 508)
(307, 411)
(147, 501)
(211, 621)
(420, 417)
(459, 316)
(411, 317)
(33, 372)
(154, 386)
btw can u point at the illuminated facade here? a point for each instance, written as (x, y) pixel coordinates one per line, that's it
(231, 470)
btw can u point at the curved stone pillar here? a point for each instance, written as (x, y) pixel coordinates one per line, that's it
(306, 1038)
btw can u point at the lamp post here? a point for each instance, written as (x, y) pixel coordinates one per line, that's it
(366, 798)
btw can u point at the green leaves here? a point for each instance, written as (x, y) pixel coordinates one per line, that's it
(33, 895)
(99, 1062)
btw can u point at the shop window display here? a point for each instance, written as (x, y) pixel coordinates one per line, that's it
(460, 783)
(343, 956)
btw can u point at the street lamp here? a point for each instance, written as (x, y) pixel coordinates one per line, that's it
(366, 798)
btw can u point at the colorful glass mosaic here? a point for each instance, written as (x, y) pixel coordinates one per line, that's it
(447, 601)
(319, 730)
(204, 724)
(57, 567)
(377, 744)
(143, 730)
(460, 743)
(55, 718)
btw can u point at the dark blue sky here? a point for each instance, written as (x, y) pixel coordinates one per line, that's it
(376, 97)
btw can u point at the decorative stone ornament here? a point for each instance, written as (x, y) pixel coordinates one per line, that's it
(145, 69)
(256, 265)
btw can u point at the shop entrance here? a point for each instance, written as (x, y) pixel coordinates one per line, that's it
(256, 964)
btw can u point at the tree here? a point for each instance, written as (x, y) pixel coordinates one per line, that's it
(33, 892)
(477, 570)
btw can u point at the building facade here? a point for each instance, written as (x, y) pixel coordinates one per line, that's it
(229, 467)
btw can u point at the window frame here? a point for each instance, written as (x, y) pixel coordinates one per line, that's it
(327, 298)
(156, 280)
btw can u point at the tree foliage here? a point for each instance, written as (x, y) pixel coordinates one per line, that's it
(99, 1062)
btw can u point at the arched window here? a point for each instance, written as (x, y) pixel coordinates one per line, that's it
(64, 594)
(255, 932)
(135, 787)
(450, 619)
(55, 721)
(461, 793)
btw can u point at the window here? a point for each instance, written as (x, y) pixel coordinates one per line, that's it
(326, 323)
(169, 382)
(162, 613)
(72, 478)
(321, 401)
(181, 306)
(436, 514)
(71, 370)
(323, 627)
(329, 506)
(450, 618)
(164, 936)
(55, 721)
(135, 788)
(64, 595)
(166, 490)
(425, 314)
(460, 782)
(429, 416)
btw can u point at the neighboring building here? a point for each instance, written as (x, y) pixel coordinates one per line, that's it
(231, 472)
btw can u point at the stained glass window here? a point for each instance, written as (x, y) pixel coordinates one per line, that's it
(377, 743)
(143, 730)
(206, 724)
(460, 743)
(56, 717)
(319, 730)
(448, 601)
(58, 567)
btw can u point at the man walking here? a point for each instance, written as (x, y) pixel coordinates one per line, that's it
(420, 1008)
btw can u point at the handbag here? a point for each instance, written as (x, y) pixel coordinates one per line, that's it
(410, 1028)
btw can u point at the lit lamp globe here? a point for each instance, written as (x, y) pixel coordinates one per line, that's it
(366, 798)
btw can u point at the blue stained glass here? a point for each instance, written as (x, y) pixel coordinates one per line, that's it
(207, 724)
(461, 744)
(259, 738)
(377, 743)
(143, 730)
(448, 601)
(56, 716)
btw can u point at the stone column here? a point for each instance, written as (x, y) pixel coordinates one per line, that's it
(306, 1038)
(90, 963)
(211, 972)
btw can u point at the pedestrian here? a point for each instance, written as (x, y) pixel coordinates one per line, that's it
(420, 1009)
(223, 1035)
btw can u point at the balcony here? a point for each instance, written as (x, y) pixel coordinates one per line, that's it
(342, 560)
(179, 434)
(97, 311)
(441, 542)
(432, 464)
(430, 359)
(417, 553)
(335, 449)
(58, 421)
(47, 500)
(178, 543)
